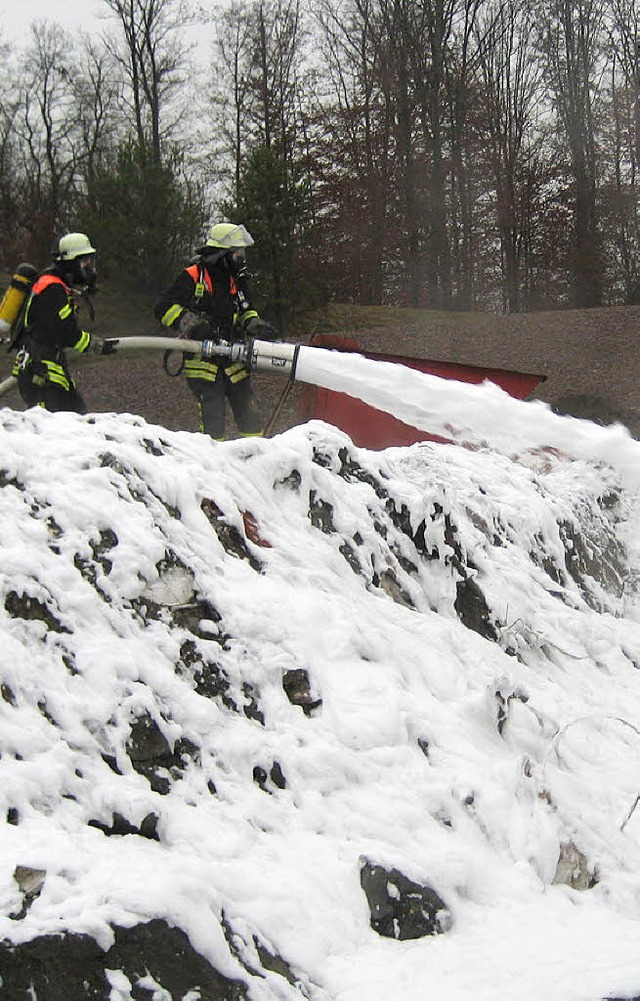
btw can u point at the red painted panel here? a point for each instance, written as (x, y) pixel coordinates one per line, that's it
(374, 429)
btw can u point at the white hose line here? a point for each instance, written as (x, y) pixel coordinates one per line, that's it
(156, 344)
(8, 384)
(132, 344)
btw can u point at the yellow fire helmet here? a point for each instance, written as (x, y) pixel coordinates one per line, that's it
(74, 245)
(229, 236)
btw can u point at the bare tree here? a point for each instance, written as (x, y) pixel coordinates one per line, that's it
(571, 40)
(151, 57)
(511, 77)
(260, 47)
(95, 93)
(624, 40)
(466, 183)
(47, 127)
(355, 149)
(12, 198)
(234, 48)
(621, 146)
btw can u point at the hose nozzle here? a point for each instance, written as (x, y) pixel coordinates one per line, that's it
(224, 349)
(261, 356)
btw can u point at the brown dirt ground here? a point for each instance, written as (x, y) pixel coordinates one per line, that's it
(589, 358)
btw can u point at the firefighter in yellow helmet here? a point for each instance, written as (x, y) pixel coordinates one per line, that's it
(210, 300)
(51, 326)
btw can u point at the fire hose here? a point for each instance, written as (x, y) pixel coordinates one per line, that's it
(278, 357)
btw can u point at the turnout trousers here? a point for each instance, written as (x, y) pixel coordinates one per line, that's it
(213, 385)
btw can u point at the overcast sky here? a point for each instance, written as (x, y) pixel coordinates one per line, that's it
(85, 15)
(17, 17)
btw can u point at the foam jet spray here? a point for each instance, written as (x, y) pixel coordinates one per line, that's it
(478, 416)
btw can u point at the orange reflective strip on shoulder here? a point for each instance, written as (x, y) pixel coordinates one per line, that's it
(45, 280)
(194, 272)
(40, 285)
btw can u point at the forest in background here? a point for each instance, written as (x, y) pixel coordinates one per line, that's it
(439, 154)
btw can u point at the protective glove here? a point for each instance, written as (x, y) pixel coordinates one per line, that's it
(98, 346)
(193, 326)
(261, 329)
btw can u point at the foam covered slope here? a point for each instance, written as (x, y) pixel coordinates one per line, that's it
(289, 719)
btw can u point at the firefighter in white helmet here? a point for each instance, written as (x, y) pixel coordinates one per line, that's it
(51, 326)
(210, 300)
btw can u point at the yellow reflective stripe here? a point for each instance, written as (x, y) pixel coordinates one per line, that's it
(252, 434)
(200, 363)
(236, 367)
(236, 373)
(83, 341)
(249, 315)
(66, 311)
(196, 369)
(53, 366)
(171, 315)
(57, 374)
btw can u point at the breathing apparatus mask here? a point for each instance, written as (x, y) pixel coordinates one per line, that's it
(84, 272)
(236, 261)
